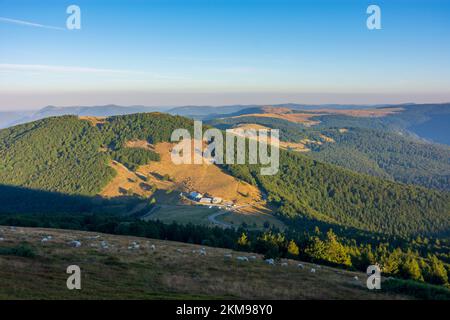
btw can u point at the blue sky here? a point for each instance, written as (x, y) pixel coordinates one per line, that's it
(178, 52)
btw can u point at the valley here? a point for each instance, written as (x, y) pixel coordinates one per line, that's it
(340, 187)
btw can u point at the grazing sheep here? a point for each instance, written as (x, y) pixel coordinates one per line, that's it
(153, 247)
(270, 261)
(202, 252)
(313, 270)
(179, 250)
(242, 258)
(104, 244)
(2, 239)
(301, 266)
(134, 246)
(356, 278)
(284, 264)
(253, 257)
(75, 243)
(46, 238)
(229, 256)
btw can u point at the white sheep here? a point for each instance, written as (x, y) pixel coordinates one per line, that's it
(301, 266)
(270, 261)
(75, 243)
(356, 278)
(229, 256)
(284, 264)
(253, 257)
(202, 252)
(313, 270)
(242, 258)
(134, 246)
(153, 247)
(104, 244)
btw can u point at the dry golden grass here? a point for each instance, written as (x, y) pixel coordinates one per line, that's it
(307, 118)
(326, 139)
(124, 182)
(204, 178)
(361, 112)
(295, 146)
(303, 118)
(142, 144)
(93, 120)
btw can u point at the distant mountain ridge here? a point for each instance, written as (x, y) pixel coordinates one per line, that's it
(12, 118)
(426, 121)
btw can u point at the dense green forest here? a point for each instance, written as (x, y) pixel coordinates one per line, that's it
(305, 187)
(132, 158)
(68, 155)
(387, 154)
(55, 154)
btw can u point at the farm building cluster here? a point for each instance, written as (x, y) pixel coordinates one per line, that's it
(206, 199)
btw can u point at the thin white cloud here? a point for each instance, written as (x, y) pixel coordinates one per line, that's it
(29, 24)
(48, 69)
(62, 69)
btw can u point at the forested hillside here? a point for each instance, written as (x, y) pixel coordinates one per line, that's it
(71, 156)
(382, 153)
(388, 155)
(55, 154)
(305, 187)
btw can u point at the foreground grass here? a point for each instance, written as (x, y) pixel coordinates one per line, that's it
(171, 271)
(417, 289)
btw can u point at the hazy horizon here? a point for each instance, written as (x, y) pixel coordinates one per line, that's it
(175, 53)
(211, 100)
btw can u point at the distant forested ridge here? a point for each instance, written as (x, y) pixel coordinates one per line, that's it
(388, 155)
(373, 146)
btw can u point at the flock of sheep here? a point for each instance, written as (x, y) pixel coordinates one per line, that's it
(135, 245)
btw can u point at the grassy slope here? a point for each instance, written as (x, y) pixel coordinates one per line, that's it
(119, 273)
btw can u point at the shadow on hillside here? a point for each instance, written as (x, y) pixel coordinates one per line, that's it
(24, 200)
